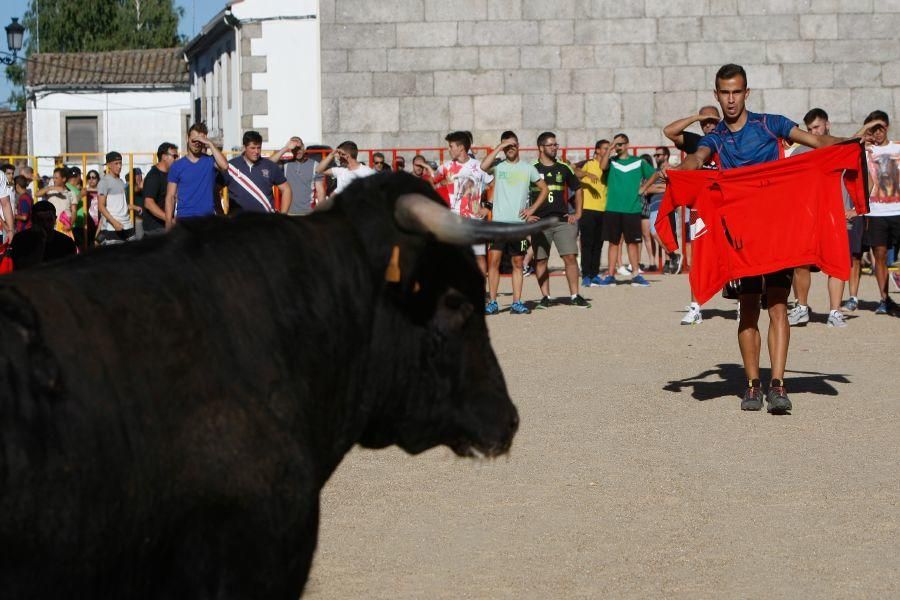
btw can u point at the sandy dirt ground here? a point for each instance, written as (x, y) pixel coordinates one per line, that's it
(635, 474)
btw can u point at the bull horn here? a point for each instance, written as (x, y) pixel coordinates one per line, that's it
(420, 214)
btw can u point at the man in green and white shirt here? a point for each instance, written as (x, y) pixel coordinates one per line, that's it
(623, 206)
(512, 181)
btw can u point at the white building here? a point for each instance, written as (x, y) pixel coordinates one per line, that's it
(127, 101)
(256, 65)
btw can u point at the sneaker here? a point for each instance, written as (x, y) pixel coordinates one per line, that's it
(639, 281)
(777, 399)
(580, 302)
(851, 304)
(492, 308)
(799, 315)
(519, 308)
(624, 271)
(882, 308)
(606, 281)
(651, 269)
(677, 262)
(585, 282)
(836, 319)
(544, 303)
(693, 316)
(753, 396)
(526, 271)
(596, 281)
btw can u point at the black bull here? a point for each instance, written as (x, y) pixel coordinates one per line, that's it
(171, 409)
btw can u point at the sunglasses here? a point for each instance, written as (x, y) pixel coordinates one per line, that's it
(379, 162)
(554, 145)
(659, 156)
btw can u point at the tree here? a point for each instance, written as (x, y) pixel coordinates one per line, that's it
(94, 26)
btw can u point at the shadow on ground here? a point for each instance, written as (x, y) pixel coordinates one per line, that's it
(727, 381)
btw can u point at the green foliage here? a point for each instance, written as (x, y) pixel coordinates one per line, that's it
(94, 26)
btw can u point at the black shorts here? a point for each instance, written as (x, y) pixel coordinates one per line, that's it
(105, 237)
(883, 231)
(513, 248)
(779, 279)
(616, 224)
(855, 234)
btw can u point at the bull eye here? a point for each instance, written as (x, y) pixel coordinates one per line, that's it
(454, 301)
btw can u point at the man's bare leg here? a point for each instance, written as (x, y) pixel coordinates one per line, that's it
(634, 254)
(835, 293)
(648, 243)
(613, 258)
(749, 339)
(854, 277)
(879, 254)
(571, 263)
(518, 277)
(482, 265)
(802, 281)
(779, 337)
(494, 257)
(543, 276)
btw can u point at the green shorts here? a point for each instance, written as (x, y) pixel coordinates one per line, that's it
(563, 235)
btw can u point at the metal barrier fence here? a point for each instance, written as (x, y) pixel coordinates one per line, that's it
(144, 160)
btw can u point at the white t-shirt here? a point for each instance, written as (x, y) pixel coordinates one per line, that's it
(345, 176)
(467, 182)
(884, 180)
(116, 202)
(9, 192)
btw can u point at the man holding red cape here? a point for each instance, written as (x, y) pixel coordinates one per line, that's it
(743, 139)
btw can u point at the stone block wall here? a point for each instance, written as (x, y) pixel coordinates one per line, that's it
(404, 72)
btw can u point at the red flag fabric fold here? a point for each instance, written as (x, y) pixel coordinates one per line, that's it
(763, 218)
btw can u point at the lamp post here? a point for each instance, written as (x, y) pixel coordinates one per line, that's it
(15, 32)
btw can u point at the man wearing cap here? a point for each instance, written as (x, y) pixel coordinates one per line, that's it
(116, 225)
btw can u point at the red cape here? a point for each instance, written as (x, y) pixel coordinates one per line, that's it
(763, 218)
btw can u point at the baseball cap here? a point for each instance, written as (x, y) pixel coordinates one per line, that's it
(112, 157)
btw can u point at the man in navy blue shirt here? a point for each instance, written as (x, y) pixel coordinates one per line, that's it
(251, 177)
(741, 139)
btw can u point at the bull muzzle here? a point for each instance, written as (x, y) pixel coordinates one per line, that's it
(418, 214)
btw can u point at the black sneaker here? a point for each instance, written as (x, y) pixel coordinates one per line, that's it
(778, 402)
(579, 301)
(544, 303)
(753, 397)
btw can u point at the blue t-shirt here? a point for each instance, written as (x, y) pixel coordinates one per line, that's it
(756, 142)
(196, 182)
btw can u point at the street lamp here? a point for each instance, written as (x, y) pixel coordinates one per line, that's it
(14, 34)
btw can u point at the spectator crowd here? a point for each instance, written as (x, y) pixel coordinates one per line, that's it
(611, 198)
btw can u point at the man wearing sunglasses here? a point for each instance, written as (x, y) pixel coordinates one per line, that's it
(155, 184)
(560, 179)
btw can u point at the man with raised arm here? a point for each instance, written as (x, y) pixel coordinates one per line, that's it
(513, 178)
(744, 138)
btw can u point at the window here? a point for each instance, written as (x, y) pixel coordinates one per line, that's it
(81, 134)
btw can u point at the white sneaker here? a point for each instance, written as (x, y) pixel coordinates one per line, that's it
(799, 315)
(693, 316)
(836, 319)
(624, 271)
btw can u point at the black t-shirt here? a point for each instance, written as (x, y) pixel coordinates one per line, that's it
(155, 184)
(692, 143)
(558, 177)
(35, 246)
